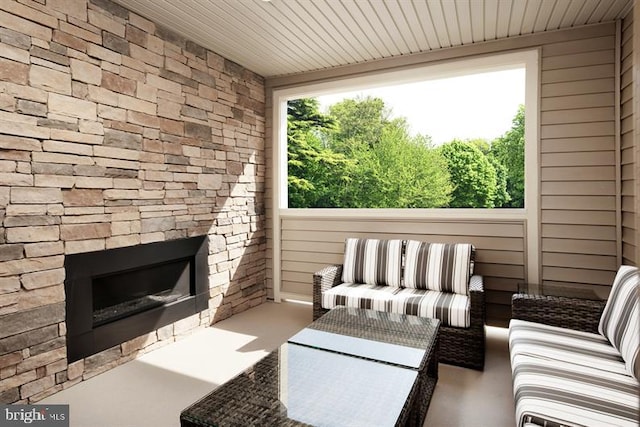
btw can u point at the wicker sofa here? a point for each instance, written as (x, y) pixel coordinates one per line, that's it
(405, 276)
(576, 362)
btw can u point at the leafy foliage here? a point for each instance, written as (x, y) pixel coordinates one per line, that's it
(314, 171)
(358, 120)
(474, 176)
(508, 150)
(398, 172)
(358, 156)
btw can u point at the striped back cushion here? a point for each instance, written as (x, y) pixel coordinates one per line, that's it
(444, 267)
(372, 262)
(620, 321)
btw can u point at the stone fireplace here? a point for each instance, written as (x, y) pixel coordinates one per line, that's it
(119, 141)
(116, 295)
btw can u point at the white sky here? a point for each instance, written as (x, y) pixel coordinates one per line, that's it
(474, 106)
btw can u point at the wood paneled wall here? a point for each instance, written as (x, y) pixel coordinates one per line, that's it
(627, 131)
(636, 120)
(578, 160)
(579, 189)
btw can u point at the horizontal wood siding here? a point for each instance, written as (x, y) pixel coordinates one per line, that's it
(635, 211)
(578, 162)
(628, 178)
(309, 244)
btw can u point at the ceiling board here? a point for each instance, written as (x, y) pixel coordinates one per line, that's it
(284, 37)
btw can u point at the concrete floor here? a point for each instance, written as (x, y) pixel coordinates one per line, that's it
(154, 389)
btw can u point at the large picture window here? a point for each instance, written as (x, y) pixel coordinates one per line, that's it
(457, 136)
(449, 136)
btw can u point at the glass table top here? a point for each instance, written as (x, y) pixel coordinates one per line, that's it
(391, 328)
(298, 385)
(407, 357)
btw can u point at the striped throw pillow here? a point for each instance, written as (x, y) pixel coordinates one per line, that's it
(441, 267)
(620, 321)
(372, 262)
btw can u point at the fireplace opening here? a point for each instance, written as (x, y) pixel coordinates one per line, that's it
(115, 295)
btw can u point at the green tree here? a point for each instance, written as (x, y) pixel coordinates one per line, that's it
(481, 144)
(314, 172)
(360, 120)
(392, 169)
(304, 115)
(502, 194)
(473, 175)
(508, 150)
(411, 174)
(398, 173)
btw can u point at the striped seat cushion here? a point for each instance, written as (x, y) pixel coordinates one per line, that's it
(451, 309)
(438, 266)
(372, 261)
(570, 394)
(565, 345)
(359, 296)
(620, 321)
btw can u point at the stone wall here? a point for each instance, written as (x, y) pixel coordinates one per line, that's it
(116, 132)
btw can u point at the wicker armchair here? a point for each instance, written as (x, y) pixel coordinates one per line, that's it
(458, 346)
(576, 361)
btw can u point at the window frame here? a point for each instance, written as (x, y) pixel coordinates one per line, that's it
(530, 214)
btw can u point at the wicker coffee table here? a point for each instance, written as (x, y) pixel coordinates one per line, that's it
(351, 367)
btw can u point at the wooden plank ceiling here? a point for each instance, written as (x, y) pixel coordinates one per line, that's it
(282, 37)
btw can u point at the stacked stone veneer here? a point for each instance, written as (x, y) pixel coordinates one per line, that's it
(116, 132)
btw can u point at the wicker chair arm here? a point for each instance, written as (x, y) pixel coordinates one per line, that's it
(328, 277)
(323, 280)
(477, 300)
(573, 313)
(476, 284)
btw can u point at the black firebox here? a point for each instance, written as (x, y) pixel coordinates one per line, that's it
(118, 294)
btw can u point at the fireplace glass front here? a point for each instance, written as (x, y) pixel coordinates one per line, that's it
(116, 296)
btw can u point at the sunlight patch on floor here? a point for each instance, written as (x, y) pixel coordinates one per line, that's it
(203, 354)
